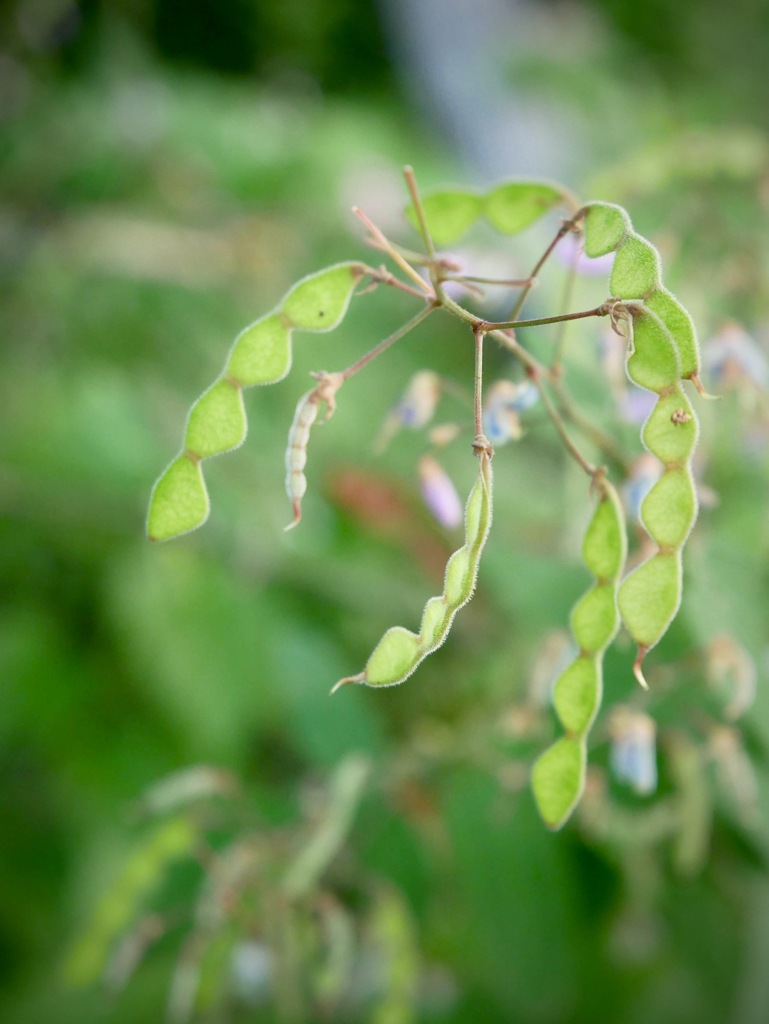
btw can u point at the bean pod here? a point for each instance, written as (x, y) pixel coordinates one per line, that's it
(558, 776)
(400, 651)
(261, 354)
(662, 351)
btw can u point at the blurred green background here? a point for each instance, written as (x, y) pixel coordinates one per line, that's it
(168, 170)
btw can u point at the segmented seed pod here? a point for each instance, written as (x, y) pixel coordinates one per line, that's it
(650, 595)
(261, 354)
(400, 651)
(636, 274)
(509, 207)
(299, 435)
(558, 775)
(662, 351)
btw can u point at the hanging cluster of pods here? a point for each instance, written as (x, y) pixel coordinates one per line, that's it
(661, 353)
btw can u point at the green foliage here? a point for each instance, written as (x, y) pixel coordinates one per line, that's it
(173, 211)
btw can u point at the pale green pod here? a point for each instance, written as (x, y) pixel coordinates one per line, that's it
(262, 352)
(514, 205)
(393, 657)
(653, 360)
(434, 619)
(558, 779)
(606, 226)
(577, 695)
(604, 547)
(459, 571)
(670, 508)
(318, 302)
(450, 213)
(179, 501)
(671, 430)
(217, 421)
(649, 598)
(594, 619)
(681, 327)
(400, 651)
(636, 270)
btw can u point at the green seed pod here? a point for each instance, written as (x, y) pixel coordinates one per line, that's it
(179, 500)
(671, 430)
(636, 270)
(663, 347)
(318, 302)
(577, 695)
(558, 775)
(604, 548)
(670, 508)
(653, 360)
(261, 354)
(606, 227)
(515, 205)
(649, 598)
(217, 421)
(400, 651)
(681, 327)
(394, 658)
(594, 619)
(450, 213)
(558, 779)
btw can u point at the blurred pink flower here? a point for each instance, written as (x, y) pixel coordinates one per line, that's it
(439, 493)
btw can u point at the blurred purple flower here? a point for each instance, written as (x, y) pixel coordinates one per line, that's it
(439, 493)
(572, 254)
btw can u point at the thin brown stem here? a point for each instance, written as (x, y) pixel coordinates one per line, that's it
(382, 275)
(383, 345)
(419, 210)
(379, 241)
(478, 391)
(564, 229)
(603, 310)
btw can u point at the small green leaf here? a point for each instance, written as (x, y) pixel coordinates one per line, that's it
(318, 302)
(262, 352)
(636, 270)
(606, 225)
(649, 597)
(515, 205)
(670, 433)
(670, 508)
(179, 501)
(681, 327)
(449, 213)
(217, 421)
(558, 778)
(653, 360)
(577, 694)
